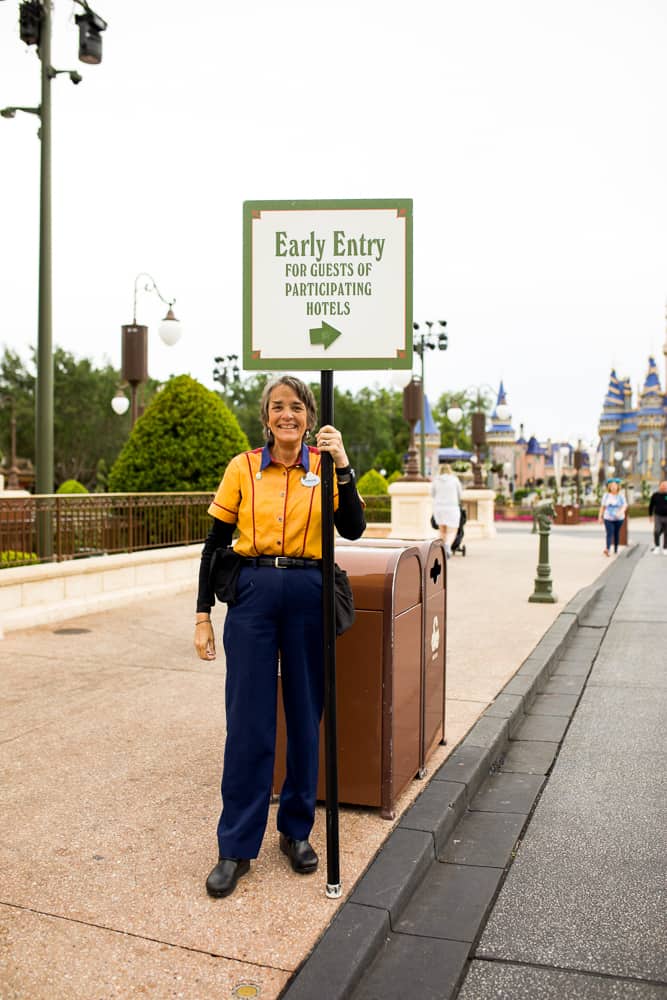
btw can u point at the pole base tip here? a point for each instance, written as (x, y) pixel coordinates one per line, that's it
(334, 891)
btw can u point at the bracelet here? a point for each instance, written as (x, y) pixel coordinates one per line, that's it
(345, 470)
(203, 621)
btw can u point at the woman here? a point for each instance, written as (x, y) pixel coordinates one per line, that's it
(446, 493)
(612, 510)
(272, 495)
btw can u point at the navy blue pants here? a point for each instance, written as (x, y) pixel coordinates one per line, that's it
(612, 531)
(278, 611)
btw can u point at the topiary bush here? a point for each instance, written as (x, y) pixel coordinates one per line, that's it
(183, 442)
(394, 477)
(372, 484)
(71, 486)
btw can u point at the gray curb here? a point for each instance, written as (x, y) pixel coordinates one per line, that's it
(364, 922)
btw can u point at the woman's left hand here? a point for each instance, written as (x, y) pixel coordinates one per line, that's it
(329, 439)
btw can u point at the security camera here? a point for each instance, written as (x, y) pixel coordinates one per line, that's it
(75, 77)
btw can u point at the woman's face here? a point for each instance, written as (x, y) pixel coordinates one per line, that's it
(288, 418)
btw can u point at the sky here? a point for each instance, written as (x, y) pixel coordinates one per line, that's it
(530, 136)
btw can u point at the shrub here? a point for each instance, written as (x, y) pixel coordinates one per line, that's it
(394, 477)
(11, 558)
(372, 484)
(71, 486)
(183, 442)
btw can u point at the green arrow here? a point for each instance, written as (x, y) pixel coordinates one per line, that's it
(324, 334)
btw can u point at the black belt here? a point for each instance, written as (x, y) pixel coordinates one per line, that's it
(281, 562)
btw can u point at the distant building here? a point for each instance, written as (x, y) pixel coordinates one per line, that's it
(632, 438)
(519, 463)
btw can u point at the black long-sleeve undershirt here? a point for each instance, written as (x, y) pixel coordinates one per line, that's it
(349, 521)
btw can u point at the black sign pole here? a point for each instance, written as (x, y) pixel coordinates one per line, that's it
(329, 639)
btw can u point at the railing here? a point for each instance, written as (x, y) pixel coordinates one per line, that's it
(378, 508)
(53, 528)
(57, 527)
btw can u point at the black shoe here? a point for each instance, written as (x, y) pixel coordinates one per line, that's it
(222, 880)
(302, 857)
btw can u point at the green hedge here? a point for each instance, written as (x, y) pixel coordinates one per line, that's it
(11, 558)
(372, 483)
(71, 486)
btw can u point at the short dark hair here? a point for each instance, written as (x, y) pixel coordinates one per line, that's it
(300, 389)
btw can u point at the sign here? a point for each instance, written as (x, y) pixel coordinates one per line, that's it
(327, 284)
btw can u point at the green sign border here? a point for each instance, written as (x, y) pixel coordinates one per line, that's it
(316, 364)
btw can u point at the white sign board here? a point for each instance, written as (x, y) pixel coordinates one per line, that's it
(327, 285)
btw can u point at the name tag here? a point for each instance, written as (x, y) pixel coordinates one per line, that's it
(310, 479)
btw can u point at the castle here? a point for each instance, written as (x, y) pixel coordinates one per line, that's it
(632, 438)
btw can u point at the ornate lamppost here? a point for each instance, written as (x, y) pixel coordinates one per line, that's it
(421, 342)
(413, 410)
(134, 346)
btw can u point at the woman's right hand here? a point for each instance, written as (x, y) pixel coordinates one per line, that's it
(205, 640)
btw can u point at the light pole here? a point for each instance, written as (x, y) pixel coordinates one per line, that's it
(134, 345)
(35, 29)
(226, 370)
(578, 462)
(422, 342)
(413, 408)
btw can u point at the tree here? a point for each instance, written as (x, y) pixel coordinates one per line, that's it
(371, 423)
(183, 442)
(470, 401)
(86, 430)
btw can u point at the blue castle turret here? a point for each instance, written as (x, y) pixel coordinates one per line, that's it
(637, 433)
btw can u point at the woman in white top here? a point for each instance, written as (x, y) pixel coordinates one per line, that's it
(446, 493)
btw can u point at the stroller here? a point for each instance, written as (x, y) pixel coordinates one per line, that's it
(457, 545)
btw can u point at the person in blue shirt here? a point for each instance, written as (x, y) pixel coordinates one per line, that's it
(612, 510)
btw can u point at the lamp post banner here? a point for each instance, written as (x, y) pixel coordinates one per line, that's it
(327, 284)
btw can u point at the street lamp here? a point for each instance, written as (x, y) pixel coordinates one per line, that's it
(35, 29)
(578, 462)
(226, 370)
(134, 344)
(413, 410)
(120, 404)
(422, 342)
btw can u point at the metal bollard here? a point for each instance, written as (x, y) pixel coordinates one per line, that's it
(543, 515)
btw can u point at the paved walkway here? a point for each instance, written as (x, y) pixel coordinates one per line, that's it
(110, 747)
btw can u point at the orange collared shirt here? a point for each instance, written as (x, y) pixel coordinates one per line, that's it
(277, 509)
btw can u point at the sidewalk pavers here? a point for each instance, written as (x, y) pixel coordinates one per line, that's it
(111, 751)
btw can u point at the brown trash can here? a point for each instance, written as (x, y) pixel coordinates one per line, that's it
(434, 643)
(434, 646)
(379, 679)
(623, 534)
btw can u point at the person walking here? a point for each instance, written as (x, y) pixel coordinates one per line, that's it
(446, 493)
(657, 506)
(272, 495)
(612, 510)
